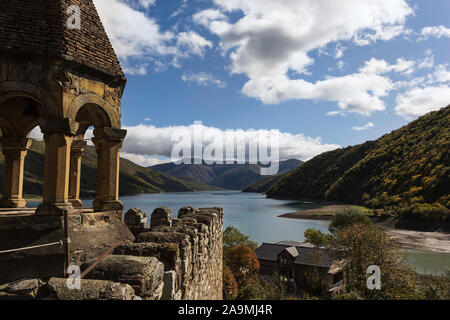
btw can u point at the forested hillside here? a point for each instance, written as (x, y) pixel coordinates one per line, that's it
(406, 171)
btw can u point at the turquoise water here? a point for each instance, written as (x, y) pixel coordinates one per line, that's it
(253, 214)
(257, 216)
(429, 262)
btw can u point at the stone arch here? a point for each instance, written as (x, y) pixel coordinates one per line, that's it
(48, 106)
(99, 107)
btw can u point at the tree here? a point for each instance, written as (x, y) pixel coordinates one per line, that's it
(315, 236)
(253, 290)
(230, 286)
(348, 217)
(365, 245)
(233, 237)
(244, 264)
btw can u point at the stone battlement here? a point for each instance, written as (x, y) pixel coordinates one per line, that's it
(176, 258)
(190, 247)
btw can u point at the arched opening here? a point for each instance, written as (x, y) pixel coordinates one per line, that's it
(18, 116)
(33, 178)
(83, 175)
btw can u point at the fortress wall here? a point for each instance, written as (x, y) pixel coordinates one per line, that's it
(190, 248)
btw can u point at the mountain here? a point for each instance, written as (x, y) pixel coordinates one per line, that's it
(227, 176)
(133, 178)
(405, 172)
(263, 185)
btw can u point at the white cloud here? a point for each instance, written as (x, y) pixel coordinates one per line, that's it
(427, 62)
(36, 134)
(364, 127)
(381, 66)
(357, 92)
(436, 32)
(203, 79)
(142, 160)
(194, 43)
(137, 38)
(441, 74)
(208, 16)
(264, 45)
(145, 141)
(419, 101)
(334, 113)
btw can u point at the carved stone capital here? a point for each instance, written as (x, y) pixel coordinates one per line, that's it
(59, 125)
(15, 143)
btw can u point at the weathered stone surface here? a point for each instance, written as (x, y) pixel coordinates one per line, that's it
(25, 288)
(161, 217)
(184, 211)
(56, 288)
(136, 220)
(170, 285)
(167, 253)
(144, 274)
(198, 235)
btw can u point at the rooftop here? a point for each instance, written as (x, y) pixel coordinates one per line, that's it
(39, 27)
(308, 254)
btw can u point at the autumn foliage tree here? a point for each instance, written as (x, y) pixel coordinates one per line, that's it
(243, 263)
(230, 286)
(366, 245)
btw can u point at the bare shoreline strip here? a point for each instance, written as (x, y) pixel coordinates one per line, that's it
(438, 242)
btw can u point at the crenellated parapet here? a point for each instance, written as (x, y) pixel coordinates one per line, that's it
(189, 246)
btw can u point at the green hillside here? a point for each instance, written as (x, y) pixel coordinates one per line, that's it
(134, 179)
(405, 172)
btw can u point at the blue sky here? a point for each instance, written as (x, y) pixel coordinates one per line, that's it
(325, 73)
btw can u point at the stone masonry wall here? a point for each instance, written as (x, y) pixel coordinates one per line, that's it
(174, 259)
(190, 247)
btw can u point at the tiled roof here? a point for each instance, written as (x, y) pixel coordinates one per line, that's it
(307, 255)
(39, 27)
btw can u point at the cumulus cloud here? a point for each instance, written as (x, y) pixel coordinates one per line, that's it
(364, 127)
(137, 38)
(357, 92)
(419, 101)
(381, 66)
(145, 142)
(264, 45)
(203, 79)
(436, 32)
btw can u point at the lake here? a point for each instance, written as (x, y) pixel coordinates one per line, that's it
(257, 216)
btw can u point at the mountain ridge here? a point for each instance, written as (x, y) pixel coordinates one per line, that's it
(227, 176)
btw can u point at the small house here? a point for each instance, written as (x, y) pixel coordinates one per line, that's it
(302, 264)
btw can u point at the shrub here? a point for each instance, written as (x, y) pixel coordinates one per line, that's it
(348, 217)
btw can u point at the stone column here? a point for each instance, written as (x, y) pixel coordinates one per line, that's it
(76, 152)
(14, 152)
(56, 176)
(108, 142)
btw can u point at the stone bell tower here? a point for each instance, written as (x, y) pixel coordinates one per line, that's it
(64, 80)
